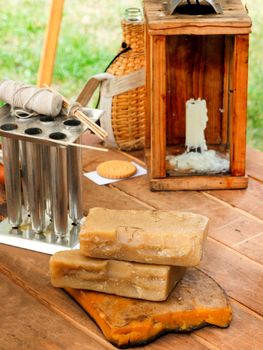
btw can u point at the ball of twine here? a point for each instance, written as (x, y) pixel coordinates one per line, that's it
(31, 99)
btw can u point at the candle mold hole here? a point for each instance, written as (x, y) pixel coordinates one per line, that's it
(57, 136)
(8, 127)
(72, 122)
(46, 119)
(33, 131)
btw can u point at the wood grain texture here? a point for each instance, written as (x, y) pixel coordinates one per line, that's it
(250, 200)
(26, 324)
(244, 333)
(158, 106)
(190, 183)
(43, 314)
(35, 281)
(228, 88)
(255, 163)
(147, 88)
(234, 20)
(239, 108)
(252, 247)
(195, 67)
(50, 43)
(241, 278)
(230, 227)
(211, 63)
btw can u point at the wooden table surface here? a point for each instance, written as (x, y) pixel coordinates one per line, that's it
(34, 315)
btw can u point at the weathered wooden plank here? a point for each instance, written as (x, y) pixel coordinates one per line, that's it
(158, 106)
(241, 278)
(104, 197)
(249, 200)
(255, 163)
(148, 89)
(204, 183)
(252, 248)
(238, 267)
(227, 98)
(231, 227)
(30, 270)
(244, 333)
(227, 225)
(195, 70)
(234, 20)
(239, 110)
(26, 324)
(214, 336)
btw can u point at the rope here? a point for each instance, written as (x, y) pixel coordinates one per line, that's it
(27, 100)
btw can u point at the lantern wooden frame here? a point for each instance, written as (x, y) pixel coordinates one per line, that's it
(225, 36)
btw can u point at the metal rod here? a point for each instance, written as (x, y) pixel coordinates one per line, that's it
(35, 186)
(12, 180)
(24, 176)
(75, 184)
(59, 189)
(47, 180)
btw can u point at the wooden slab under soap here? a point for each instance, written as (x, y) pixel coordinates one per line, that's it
(195, 302)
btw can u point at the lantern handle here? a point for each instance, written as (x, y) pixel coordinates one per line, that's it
(170, 5)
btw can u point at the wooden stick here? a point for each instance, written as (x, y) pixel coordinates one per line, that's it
(64, 143)
(80, 115)
(50, 43)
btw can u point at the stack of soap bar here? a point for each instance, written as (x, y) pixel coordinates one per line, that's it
(146, 236)
(132, 253)
(143, 281)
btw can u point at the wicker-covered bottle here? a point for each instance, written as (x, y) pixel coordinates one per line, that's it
(128, 109)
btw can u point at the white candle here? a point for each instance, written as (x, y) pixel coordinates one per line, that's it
(196, 120)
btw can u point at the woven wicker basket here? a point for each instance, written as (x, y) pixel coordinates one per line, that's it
(128, 109)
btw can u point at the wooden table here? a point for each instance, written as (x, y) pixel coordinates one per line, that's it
(36, 316)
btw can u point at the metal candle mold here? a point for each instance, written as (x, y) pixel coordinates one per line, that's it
(42, 180)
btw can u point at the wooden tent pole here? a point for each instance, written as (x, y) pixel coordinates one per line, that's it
(48, 56)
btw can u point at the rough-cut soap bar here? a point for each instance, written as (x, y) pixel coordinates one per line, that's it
(196, 301)
(134, 280)
(147, 236)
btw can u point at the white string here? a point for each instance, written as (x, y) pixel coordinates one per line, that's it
(22, 113)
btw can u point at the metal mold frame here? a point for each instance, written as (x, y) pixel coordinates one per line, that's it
(46, 242)
(72, 133)
(24, 237)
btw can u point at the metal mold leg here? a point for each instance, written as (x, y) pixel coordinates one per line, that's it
(35, 186)
(12, 180)
(59, 189)
(75, 184)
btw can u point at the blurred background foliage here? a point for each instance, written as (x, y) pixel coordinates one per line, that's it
(90, 36)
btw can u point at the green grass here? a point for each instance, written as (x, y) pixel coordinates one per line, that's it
(90, 36)
(255, 99)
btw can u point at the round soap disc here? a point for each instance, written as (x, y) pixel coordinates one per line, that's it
(116, 169)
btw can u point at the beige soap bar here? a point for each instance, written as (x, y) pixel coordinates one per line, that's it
(148, 236)
(70, 269)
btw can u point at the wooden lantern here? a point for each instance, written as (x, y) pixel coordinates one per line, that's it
(206, 57)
